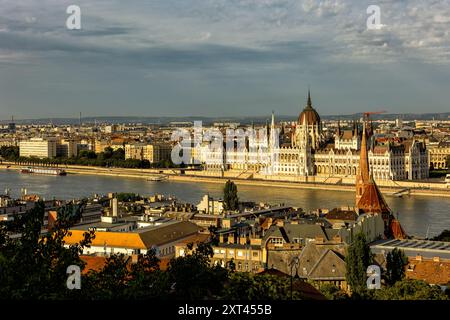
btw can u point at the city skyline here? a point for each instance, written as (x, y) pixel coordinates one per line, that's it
(222, 58)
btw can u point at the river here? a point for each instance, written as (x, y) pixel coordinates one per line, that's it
(418, 215)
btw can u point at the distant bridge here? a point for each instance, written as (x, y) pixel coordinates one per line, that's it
(402, 192)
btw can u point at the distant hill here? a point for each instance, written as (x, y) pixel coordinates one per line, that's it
(210, 120)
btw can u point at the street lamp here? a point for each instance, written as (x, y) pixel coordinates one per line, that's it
(294, 264)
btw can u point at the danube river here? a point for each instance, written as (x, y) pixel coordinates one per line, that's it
(418, 214)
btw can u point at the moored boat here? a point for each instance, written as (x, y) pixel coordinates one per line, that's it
(43, 170)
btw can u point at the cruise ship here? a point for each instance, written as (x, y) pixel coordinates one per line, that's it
(48, 171)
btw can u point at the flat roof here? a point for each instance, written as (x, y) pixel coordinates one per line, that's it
(414, 247)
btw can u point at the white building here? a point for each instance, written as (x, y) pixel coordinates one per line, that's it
(210, 206)
(311, 154)
(38, 147)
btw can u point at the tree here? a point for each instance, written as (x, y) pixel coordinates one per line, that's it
(409, 289)
(357, 260)
(192, 277)
(230, 198)
(444, 236)
(248, 286)
(332, 292)
(395, 266)
(34, 266)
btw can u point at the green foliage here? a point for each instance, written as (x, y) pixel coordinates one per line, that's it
(107, 158)
(34, 266)
(9, 153)
(444, 236)
(332, 292)
(409, 289)
(248, 286)
(357, 260)
(193, 277)
(128, 197)
(230, 198)
(395, 266)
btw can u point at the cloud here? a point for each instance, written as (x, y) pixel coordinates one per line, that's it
(269, 44)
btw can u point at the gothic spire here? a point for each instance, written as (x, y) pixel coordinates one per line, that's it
(364, 157)
(309, 103)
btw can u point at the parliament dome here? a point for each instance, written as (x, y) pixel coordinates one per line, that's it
(309, 114)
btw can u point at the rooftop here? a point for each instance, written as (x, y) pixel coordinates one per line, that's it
(413, 247)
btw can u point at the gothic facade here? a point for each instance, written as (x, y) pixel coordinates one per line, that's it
(310, 153)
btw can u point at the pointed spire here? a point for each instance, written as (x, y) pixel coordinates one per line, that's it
(309, 103)
(339, 128)
(364, 171)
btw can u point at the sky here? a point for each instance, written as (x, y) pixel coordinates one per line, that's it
(222, 57)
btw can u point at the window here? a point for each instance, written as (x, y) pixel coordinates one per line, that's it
(255, 254)
(240, 254)
(277, 240)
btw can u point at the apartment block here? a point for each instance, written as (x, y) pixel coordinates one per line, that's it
(38, 147)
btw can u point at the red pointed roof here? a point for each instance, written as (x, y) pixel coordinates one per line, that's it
(397, 230)
(372, 200)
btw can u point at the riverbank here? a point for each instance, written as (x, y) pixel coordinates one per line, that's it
(172, 175)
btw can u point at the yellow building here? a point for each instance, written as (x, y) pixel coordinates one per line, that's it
(38, 147)
(151, 152)
(438, 156)
(101, 145)
(246, 256)
(67, 148)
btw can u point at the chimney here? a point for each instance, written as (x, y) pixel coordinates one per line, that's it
(436, 259)
(114, 207)
(319, 240)
(419, 257)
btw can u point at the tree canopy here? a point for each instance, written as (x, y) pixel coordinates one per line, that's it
(230, 197)
(358, 258)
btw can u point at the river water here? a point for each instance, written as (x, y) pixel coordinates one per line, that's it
(418, 215)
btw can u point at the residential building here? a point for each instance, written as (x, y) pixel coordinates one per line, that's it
(126, 238)
(152, 152)
(38, 147)
(209, 205)
(439, 156)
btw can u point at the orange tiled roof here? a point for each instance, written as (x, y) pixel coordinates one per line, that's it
(433, 272)
(111, 239)
(94, 263)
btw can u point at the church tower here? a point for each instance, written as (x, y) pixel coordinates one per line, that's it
(363, 176)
